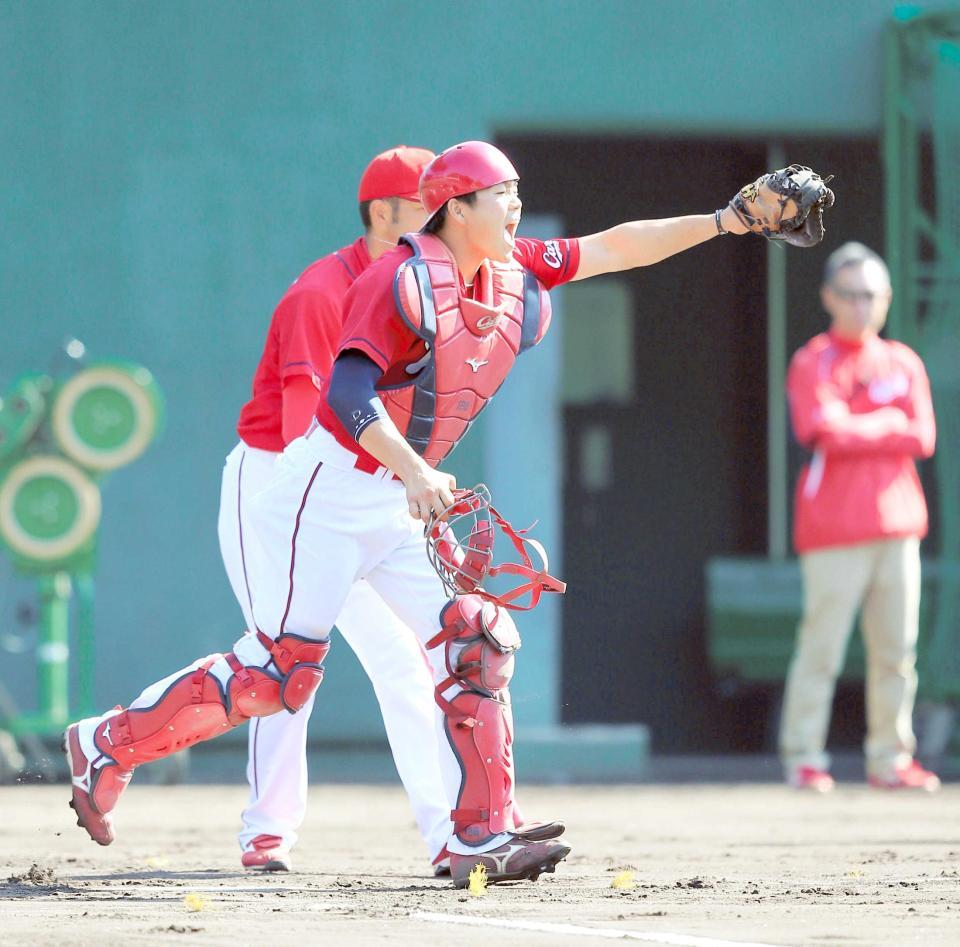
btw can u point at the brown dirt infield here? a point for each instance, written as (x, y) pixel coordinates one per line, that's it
(748, 863)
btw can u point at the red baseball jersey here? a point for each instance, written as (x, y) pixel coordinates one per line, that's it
(865, 411)
(302, 340)
(373, 326)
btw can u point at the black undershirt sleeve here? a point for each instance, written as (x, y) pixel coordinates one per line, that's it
(352, 394)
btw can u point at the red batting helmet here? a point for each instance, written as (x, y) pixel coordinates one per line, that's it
(463, 169)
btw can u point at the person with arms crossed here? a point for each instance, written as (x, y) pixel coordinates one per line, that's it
(430, 332)
(861, 404)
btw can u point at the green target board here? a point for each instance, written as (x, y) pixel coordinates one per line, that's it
(103, 417)
(49, 510)
(59, 442)
(22, 411)
(106, 416)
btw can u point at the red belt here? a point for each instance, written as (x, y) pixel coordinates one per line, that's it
(364, 465)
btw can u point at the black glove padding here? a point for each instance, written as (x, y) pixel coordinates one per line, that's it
(786, 205)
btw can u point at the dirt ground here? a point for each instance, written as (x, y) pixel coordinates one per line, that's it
(710, 865)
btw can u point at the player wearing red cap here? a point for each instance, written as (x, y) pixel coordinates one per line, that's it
(296, 359)
(297, 356)
(430, 332)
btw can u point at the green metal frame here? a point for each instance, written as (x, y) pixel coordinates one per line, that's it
(922, 130)
(778, 539)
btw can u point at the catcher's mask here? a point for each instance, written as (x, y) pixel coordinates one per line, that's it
(460, 548)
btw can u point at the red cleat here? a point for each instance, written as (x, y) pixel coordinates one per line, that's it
(811, 779)
(441, 864)
(267, 853)
(95, 791)
(911, 776)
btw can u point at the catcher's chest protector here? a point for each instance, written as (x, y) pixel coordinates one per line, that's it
(472, 343)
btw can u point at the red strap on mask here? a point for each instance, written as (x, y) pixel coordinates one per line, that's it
(464, 565)
(539, 580)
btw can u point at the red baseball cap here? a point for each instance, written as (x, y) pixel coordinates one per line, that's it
(394, 173)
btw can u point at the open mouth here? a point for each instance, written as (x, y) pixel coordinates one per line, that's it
(510, 232)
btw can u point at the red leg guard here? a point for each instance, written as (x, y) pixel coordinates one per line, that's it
(482, 740)
(196, 706)
(480, 643)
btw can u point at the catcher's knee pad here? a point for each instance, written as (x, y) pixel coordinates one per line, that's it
(197, 706)
(480, 642)
(300, 662)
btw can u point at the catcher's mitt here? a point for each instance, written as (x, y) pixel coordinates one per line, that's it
(785, 205)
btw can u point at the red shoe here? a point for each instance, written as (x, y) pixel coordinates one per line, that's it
(515, 860)
(95, 790)
(441, 864)
(911, 776)
(812, 779)
(266, 853)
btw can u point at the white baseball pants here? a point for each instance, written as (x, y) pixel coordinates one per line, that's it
(318, 527)
(389, 653)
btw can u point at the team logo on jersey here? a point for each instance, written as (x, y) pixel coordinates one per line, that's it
(476, 364)
(552, 255)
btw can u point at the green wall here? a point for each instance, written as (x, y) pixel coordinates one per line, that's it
(167, 168)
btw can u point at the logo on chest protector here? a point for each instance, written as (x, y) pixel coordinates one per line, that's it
(477, 363)
(488, 322)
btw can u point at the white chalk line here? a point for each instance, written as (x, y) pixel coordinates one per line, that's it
(544, 927)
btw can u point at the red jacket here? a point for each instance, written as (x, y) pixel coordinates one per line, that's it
(865, 412)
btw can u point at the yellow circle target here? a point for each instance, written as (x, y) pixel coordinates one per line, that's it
(49, 509)
(106, 416)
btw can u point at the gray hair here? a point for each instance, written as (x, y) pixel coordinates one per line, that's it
(851, 254)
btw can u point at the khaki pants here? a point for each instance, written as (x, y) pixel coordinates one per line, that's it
(884, 578)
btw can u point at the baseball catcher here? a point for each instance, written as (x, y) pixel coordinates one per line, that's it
(785, 205)
(430, 332)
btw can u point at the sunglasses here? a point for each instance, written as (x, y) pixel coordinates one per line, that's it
(854, 295)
